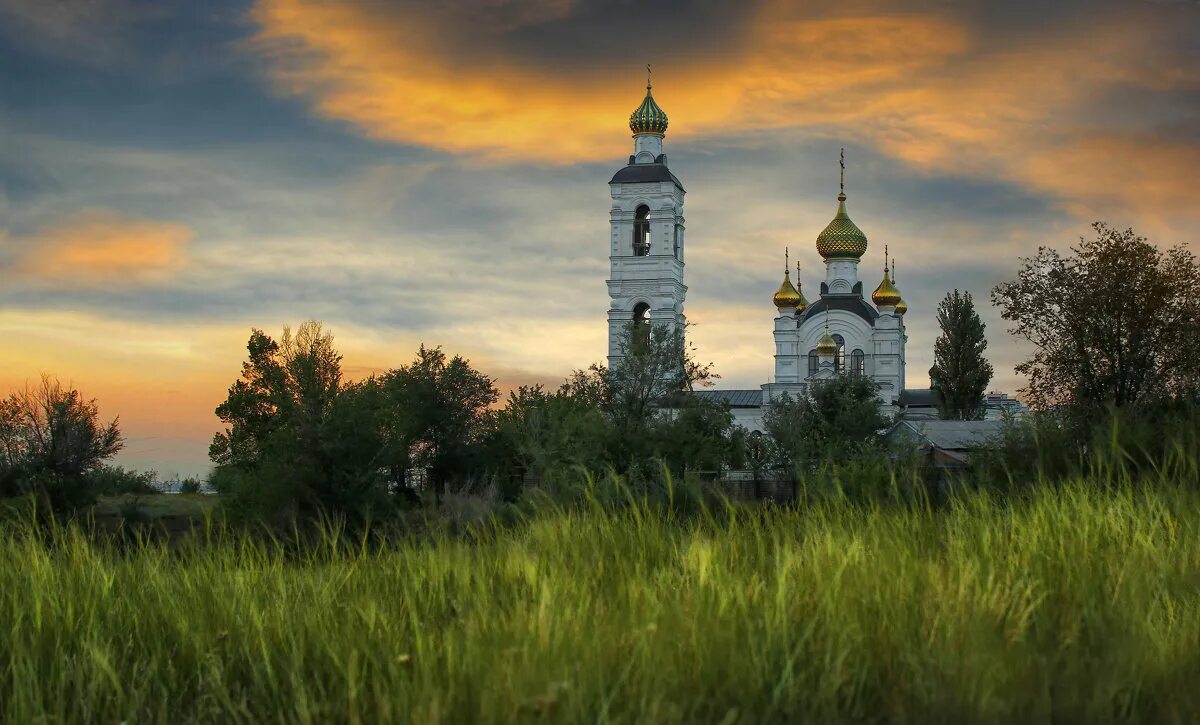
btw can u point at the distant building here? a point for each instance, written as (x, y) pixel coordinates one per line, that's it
(946, 443)
(839, 333)
(920, 404)
(917, 404)
(1002, 407)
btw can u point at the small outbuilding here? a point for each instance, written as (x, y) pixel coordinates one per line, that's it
(947, 443)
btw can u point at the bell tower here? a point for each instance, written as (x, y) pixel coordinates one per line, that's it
(646, 241)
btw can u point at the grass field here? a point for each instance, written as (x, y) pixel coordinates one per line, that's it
(1076, 606)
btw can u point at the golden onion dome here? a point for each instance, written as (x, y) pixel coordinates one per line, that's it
(841, 239)
(827, 345)
(787, 296)
(886, 294)
(648, 117)
(901, 307)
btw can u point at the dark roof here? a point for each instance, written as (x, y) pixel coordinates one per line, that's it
(917, 398)
(735, 398)
(645, 173)
(952, 435)
(849, 303)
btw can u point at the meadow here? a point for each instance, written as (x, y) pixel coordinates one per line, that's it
(1074, 602)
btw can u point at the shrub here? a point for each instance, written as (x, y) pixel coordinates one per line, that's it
(114, 480)
(51, 443)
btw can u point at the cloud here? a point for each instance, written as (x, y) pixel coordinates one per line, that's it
(382, 73)
(937, 87)
(93, 30)
(98, 246)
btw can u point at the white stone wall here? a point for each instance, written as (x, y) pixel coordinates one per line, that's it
(749, 418)
(657, 278)
(882, 345)
(644, 144)
(841, 275)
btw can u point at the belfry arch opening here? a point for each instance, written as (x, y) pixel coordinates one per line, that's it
(641, 319)
(641, 231)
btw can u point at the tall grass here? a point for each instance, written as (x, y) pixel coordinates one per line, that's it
(1079, 603)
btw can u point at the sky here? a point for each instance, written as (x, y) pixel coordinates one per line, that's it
(174, 174)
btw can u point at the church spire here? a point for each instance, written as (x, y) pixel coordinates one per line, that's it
(786, 297)
(842, 239)
(886, 294)
(648, 117)
(901, 306)
(842, 179)
(803, 303)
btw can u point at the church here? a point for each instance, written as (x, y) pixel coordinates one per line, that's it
(840, 332)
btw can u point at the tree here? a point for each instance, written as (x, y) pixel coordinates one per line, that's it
(300, 441)
(838, 418)
(698, 436)
(657, 369)
(286, 389)
(1116, 322)
(960, 371)
(52, 443)
(548, 434)
(442, 407)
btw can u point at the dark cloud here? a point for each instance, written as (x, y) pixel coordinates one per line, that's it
(317, 184)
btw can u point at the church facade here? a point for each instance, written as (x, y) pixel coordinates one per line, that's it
(841, 332)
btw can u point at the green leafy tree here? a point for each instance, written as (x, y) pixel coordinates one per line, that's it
(1114, 323)
(299, 440)
(838, 419)
(658, 367)
(549, 434)
(697, 436)
(441, 414)
(960, 371)
(53, 444)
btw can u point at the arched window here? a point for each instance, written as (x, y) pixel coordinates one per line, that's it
(839, 361)
(641, 319)
(641, 231)
(677, 230)
(858, 363)
(814, 363)
(641, 313)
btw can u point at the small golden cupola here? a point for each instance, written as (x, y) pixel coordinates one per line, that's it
(648, 117)
(802, 305)
(841, 238)
(787, 297)
(886, 294)
(827, 346)
(901, 306)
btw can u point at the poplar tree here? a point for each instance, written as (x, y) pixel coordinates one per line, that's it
(960, 372)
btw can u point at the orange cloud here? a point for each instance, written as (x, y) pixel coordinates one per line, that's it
(99, 246)
(926, 89)
(384, 77)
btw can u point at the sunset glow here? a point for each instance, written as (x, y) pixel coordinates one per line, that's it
(411, 172)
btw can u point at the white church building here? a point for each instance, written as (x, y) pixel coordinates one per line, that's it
(840, 332)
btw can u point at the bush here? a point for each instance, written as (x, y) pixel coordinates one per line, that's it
(116, 480)
(52, 445)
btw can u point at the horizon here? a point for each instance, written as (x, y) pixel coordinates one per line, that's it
(175, 176)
